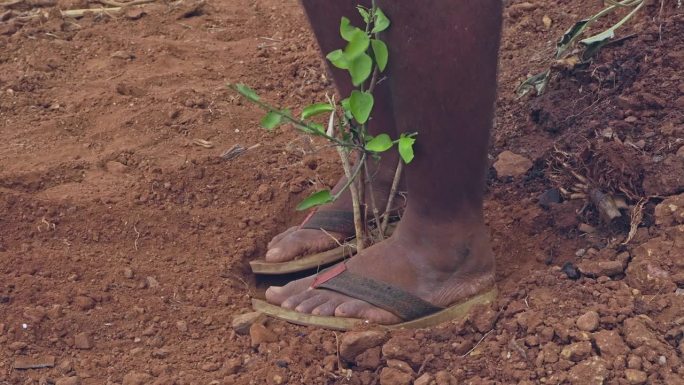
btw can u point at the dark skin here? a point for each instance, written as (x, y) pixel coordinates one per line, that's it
(442, 84)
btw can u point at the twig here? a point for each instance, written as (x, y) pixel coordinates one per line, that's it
(137, 236)
(390, 200)
(477, 344)
(114, 3)
(82, 12)
(635, 220)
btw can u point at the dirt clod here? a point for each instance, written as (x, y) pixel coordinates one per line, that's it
(354, 343)
(73, 380)
(636, 377)
(588, 321)
(393, 376)
(83, 341)
(242, 323)
(136, 378)
(509, 164)
(260, 334)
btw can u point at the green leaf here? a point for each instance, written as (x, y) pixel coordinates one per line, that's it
(381, 21)
(535, 83)
(570, 36)
(247, 92)
(338, 59)
(380, 143)
(360, 69)
(406, 148)
(316, 199)
(271, 120)
(364, 13)
(357, 45)
(316, 109)
(381, 53)
(345, 104)
(361, 105)
(346, 29)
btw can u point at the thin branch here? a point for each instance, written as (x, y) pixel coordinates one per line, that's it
(390, 200)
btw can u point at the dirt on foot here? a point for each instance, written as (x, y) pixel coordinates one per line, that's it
(127, 220)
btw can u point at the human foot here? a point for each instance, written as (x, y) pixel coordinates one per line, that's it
(336, 220)
(440, 264)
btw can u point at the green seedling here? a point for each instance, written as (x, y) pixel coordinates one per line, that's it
(365, 57)
(573, 53)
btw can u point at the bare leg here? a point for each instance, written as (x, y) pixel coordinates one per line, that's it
(325, 22)
(443, 57)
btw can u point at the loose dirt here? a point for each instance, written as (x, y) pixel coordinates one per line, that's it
(125, 234)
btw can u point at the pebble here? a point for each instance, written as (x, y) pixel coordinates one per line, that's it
(509, 164)
(610, 343)
(128, 273)
(211, 367)
(152, 282)
(401, 365)
(369, 359)
(136, 378)
(392, 376)
(571, 271)
(549, 197)
(601, 268)
(243, 322)
(588, 372)
(425, 379)
(260, 334)
(84, 302)
(355, 343)
(182, 326)
(83, 341)
(588, 321)
(635, 377)
(577, 352)
(74, 380)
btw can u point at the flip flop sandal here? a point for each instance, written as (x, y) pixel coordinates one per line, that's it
(336, 221)
(415, 312)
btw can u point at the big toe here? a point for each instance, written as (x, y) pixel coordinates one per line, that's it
(279, 294)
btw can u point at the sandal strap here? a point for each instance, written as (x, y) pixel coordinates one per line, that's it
(336, 221)
(383, 295)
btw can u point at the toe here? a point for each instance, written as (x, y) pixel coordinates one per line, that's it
(360, 309)
(279, 294)
(327, 309)
(280, 236)
(293, 301)
(308, 305)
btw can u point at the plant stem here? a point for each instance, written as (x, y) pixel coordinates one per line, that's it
(353, 190)
(374, 206)
(392, 194)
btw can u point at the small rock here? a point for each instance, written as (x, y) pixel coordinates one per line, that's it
(401, 365)
(571, 271)
(82, 341)
(160, 353)
(182, 326)
(233, 366)
(634, 362)
(670, 212)
(369, 359)
(152, 282)
(405, 349)
(116, 167)
(577, 352)
(211, 367)
(123, 55)
(425, 379)
(392, 376)
(136, 378)
(547, 21)
(585, 228)
(549, 197)
(601, 268)
(589, 372)
(243, 322)
(135, 13)
(588, 321)
(128, 273)
(18, 345)
(509, 164)
(74, 380)
(609, 343)
(637, 334)
(635, 377)
(680, 152)
(355, 343)
(24, 363)
(483, 318)
(260, 334)
(84, 303)
(445, 378)
(65, 366)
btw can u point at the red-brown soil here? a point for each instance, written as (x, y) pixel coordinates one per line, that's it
(124, 246)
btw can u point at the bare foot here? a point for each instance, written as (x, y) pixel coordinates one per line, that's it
(296, 241)
(441, 264)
